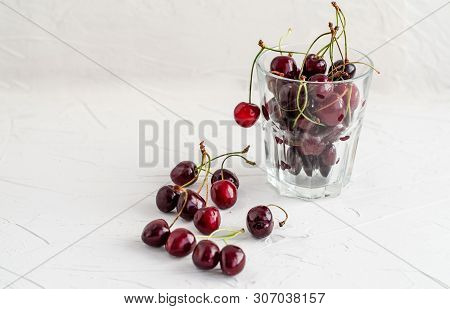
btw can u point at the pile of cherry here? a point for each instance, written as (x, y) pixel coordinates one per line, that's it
(191, 206)
(311, 107)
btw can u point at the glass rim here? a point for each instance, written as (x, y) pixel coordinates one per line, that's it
(260, 67)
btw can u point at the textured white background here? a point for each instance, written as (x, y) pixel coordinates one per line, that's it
(69, 143)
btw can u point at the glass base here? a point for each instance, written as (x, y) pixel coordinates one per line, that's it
(306, 193)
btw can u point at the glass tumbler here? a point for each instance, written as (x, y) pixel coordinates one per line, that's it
(311, 134)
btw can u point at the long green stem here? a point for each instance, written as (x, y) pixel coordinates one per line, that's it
(225, 237)
(285, 51)
(281, 223)
(344, 23)
(207, 172)
(251, 75)
(309, 49)
(245, 150)
(283, 37)
(235, 155)
(300, 77)
(185, 195)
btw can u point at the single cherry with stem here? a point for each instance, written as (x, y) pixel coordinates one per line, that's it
(246, 114)
(224, 192)
(260, 220)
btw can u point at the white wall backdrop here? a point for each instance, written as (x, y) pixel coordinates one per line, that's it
(165, 41)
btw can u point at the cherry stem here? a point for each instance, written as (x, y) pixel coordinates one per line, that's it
(343, 21)
(284, 51)
(207, 171)
(251, 72)
(324, 49)
(245, 150)
(185, 194)
(336, 69)
(235, 155)
(281, 223)
(309, 49)
(282, 38)
(202, 147)
(225, 237)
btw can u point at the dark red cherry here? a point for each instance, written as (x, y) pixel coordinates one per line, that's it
(183, 172)
(314, 65)
(344, 89)
(350, 70)
(321, 86)
(324, 170)
(194, 202)
(285, 65)
(232, 260)
(207, 220)
(206, 254)
(260, 221)
(294, 160)
(328, 156)
(167, 198)
(227, 175)
(180, 243)
(311, 145)
(310, 163)
(246, 114)
(224, 194)
(155, 233)
(287, 96)
(331, 110)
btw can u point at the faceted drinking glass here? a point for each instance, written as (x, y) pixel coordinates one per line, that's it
(311, 135)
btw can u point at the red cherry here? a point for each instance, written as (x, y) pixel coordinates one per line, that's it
(227, 175)
(194, 202)
(207, 220)
(206, 254)
(331, 110)
(246, 114)
(155, 233)
(224, 194)
(260, 221)
(314, 65)
(167, 198)
(344, 89)
(321, 87)
(180, 243)
(349, 69)
(232, 260)
(183, 172)
(285, 65)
